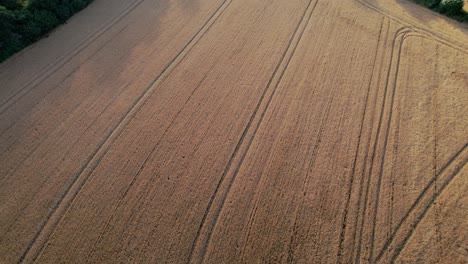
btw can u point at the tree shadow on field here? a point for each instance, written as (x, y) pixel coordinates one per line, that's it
(189, 6)
(406, 7)
(71, 112)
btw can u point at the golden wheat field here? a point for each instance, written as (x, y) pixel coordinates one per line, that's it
(238, 131)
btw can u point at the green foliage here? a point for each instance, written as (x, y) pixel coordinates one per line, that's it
(11, 4)
(79, 4)
(429, 3)
(451, 7)
(45, 19)
(7, 20)
(10, 42)
(23, 22)
(63, 12)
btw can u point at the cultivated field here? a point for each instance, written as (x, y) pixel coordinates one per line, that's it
(238, 131)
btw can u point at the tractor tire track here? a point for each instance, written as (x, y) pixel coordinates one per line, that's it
(368, 144)
(137, 175)
(423, 203)
(452, 43)
(39, 143)
(226, 153)
(398, 37)
(403, 33)
(375, 72)
(200, 243)
(39, 242)
(377, 196)
(385, 142)
(49, 70)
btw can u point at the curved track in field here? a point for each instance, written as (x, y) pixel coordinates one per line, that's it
(235, 131)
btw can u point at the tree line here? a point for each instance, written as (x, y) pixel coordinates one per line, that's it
(25, 21)
(451, 8)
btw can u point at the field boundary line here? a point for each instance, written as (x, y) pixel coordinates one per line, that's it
(40, 241)
(49, 70)
(217, 199)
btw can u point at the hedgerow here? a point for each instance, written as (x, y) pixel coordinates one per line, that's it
(23, 22)
(429, 3)
(451, 8)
